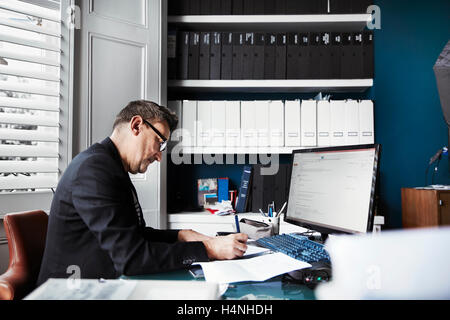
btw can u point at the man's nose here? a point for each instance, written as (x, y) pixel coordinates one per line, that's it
(158, 156)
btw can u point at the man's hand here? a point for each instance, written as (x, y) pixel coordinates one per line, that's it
(227, 247)
(191, 235)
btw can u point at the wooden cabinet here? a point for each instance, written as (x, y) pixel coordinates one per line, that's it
(425, 207)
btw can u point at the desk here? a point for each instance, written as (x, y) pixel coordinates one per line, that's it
(272, 289)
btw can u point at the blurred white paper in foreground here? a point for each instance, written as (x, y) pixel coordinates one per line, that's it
(404, 264)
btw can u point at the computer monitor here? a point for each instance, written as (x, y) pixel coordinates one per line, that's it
(332, 189)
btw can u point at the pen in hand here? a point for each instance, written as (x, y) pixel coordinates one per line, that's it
(236, 219)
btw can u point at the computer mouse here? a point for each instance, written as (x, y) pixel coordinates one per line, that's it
(319, 272)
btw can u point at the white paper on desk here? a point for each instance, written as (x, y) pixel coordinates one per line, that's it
(405, 264)
(259, 268)
(83, 289)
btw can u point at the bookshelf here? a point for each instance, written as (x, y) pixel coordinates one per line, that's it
(209, 89)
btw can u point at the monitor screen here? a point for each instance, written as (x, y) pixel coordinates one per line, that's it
(332, 189)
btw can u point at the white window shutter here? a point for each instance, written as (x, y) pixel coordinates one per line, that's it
(35, 97)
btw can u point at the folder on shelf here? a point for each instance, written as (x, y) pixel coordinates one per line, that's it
(292, 56)
(337, 122)
(249, 6)
(223, 186)
(276, 123)
(357, 55)
(174, 7)
(238, 55)
(304, 65)
(247, 60)
(323, 123)
(226, 7)
(269, 55)
(314, 50)
(215, 56)
(269, 6)
(233, 123)
(325, 56)
(280, 57)
(351, 122)
(335, 53)
(176, 106)
(244, 189)
(205, 7)
(308, 123)
(182, 55)
(258, 56)
(368, 63)
(189, 126)
(319, 6)
(184, 7)
(262, 122)
(293, 6)
(194, 50)
(248, 124)
(238, 7)
(215, 7)
(218, 123)
(259, 7)
(204, 56)
(280, 7)
(366, 122)
(257, 188)
(347, 61)
(194, 7)
(292, 123)
(226, 63)
(171, 55)
(204, 119)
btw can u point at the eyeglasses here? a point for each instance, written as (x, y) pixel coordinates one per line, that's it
(163, 144)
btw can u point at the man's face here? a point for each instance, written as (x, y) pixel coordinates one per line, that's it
(146, 148)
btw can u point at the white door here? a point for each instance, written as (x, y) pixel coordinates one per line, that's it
(117, 50)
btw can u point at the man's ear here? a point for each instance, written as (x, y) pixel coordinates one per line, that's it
(135, 125)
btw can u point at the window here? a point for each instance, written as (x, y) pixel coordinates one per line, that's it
(35, 51)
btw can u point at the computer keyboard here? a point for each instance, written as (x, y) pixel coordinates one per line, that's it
(296, 246)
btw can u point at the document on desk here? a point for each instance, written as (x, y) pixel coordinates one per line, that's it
(83, 289)
(259, 268)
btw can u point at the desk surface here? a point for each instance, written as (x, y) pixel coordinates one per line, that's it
(273, 288)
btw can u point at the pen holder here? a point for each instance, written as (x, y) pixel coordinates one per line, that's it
(274, 222)
(255, 229)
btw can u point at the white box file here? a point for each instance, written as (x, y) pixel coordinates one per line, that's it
(366, 124)
(276, 123)
(218, 123)
(233, 123)
(351, 122)
(292, 123)
(189, 135)
(308, 123)
(337, 112)
(323, 124)
(248, 124)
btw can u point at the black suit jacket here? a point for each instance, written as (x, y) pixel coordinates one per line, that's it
(95, 224)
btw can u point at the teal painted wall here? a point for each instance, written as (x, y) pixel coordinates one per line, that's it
(408, 118)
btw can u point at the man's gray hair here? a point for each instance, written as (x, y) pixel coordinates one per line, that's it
(149, 111)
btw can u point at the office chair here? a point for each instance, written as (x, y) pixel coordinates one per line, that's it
(26, 233)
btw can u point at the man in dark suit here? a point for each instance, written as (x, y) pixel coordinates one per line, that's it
(96, 226)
